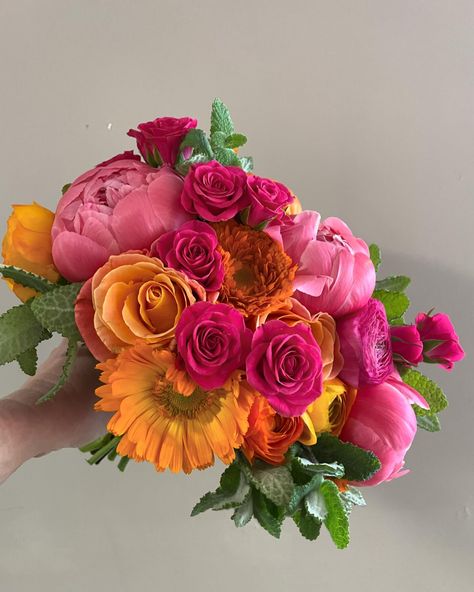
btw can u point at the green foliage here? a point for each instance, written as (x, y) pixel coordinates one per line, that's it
(221, 121)
(428, 389)
(197, 140)
(243, 513)
(336, 520)
(394, 283)
(359, 464)
(105, 447)
(70, 358)
(246, 162)
(227, 157)
(269, 515)
(308, 525)
(326, 469)
(235, 141)
(232, 492)
(28, 361)
(19, 333)
(315, 504)
(54, 310)
(429, 422)
(395, 303)
(354, 496)
(275, 483)
(26, 279)
(65, 188)
(375, 255)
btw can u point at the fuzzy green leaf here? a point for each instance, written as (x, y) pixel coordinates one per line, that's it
(28, 361)
(359, 464)
(227, 157)
(336, 520)
(354, 496)
(221, 121)
(326, 469)
(69, 360)
(243, 514)
(275, 483)
(235, 140)
(217, 140)
(183, 167)
(26, 279)
(395, 303)
(230, 478)
(375, 256)
(300, 491)
(19, 332)
(315, 504)
(428, 389)
(65, 188)
(235, 491)
(308, 525)
(246, 163)
(429, 422)
(394, 283)
(267, 513)
(55, 311)
(197, 139)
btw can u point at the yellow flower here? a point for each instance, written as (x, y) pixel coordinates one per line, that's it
(161, 425)
(330, 410)
(27, 245)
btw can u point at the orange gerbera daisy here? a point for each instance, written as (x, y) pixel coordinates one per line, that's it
(158, 423)
(258, 273)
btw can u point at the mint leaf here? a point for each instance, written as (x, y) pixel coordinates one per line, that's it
(429, 422)
(227, 157)
(267, 513)
(315, 504)
(243, 514)
(26, 279)
(326, 469)
(235, 141)
(354, 496)
(433, 394)
(395, 303)
(183, 167)
(221, 121)
(375, 255)
(69, 360)
(55, 311)
(394, 283)
(218, 140)
(233, 495)
(19, 332)
(197, 140)
(300, 491)
(274, 482)
(308, 525)
(336, 520)
(246, 163)
(28, 361)
(230, 478)
(359, 464)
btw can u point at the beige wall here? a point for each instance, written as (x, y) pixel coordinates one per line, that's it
(364, 108)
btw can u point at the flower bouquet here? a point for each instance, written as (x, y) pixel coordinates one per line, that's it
(228, 323)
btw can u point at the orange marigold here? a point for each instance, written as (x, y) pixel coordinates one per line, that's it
(259, 274)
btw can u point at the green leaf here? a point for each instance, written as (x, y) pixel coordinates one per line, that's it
(243, 514)
(246, 163)
(70, 358)
(354, 496)
(28, 361)
(221, 121)
(308, 525)
(428, 389)
(26, 279)
(375, 256)
(232, 497)
(326, 469)
(315, 504)
(336, 520)
(301, 490)
(197, 140)
(395, 303)
(110, 445)
(55, 311)
(267, 513)
(235, 140)
(19, 332)
(429, 422)
(394, 283)
(227, 157)
(359, 464)
(183, 167)
(123, 462)
(218, 140)
(230, 479)
(275, 483)
(65, 188)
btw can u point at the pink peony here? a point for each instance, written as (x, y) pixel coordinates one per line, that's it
(382, 420)
(335, 273)
(192, 249)
(159, 140)
(111, 209)
(214, 191)
(212, 343)
(268, 200)
(440, 342)
(365, 345)
(285, 365)
(407, 346)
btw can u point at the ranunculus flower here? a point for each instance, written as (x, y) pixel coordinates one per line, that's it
(268, 200)
(382, 420)
(192, 249)
(440, 341)
(407, 346)
(27, 244)
(365, 345)
(159, 140)
(323, 328)
(214, 191)
(285, 366)
(213, 342)
(335, 273)
(132, 298)
(111, 209)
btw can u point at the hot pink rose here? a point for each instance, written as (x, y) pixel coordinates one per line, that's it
(212, 342)
(268, 200)
(214, 191)
(285, 366)
(110, 209)
(407, 346)
(159, 140)
(365, 345)
(192, 249)
(382, 420)
(335, 273)
(440, 342)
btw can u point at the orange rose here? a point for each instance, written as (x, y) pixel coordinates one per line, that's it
(330, 410)
(133, 298)
(269, 435)
(323, 327)
(27, 245)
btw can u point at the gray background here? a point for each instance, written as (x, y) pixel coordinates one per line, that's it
(365, 109)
